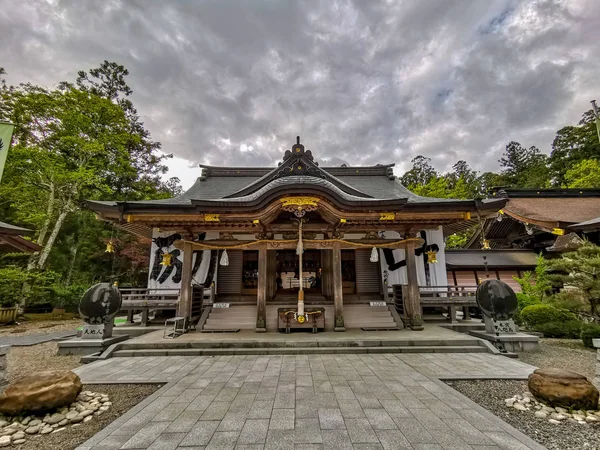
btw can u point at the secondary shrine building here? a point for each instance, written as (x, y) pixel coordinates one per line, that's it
(236, 231)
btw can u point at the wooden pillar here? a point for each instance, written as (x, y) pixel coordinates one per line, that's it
(412, 304)
(185, 297)
(338, 299)
(261, 298)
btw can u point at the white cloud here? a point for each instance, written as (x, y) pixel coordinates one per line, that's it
(363, 82)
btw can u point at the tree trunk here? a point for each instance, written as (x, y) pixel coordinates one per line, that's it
(57, 226)
(33, 259)
(74, 249)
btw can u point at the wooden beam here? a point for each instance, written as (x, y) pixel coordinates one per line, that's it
(185, 301)
(412, 305)
(338, 297)
(261, 298)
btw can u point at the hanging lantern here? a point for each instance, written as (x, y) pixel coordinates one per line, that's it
(486, 244)
(431, 257)
(374, 255)
(110, 248)
(224, 258)
(166, 259)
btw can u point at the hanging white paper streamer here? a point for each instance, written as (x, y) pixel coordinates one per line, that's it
(374, 255)
(224, 258)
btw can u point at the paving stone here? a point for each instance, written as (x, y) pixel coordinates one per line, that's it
(146, 436)
(184, 422)
(167, 441)
(368, 401)
(395, 408)
(215, 411)
(368, 447)
(379, 419)
(307, 431)
(282, 419)
(468, 432)
(254, 431)
(223, 440)
(360, 431)
(393, 440)
(351, 408)
(331, 419)
(308, 447)
(111, 442)
(327, 400)
(279, 440)
(285, 399)
(233, 421)
(413, 431)
(260, 409)
(249, 447)
(201, 434)
(336, 440)
(428, 447)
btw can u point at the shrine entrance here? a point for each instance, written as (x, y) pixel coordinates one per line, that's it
(287, 272)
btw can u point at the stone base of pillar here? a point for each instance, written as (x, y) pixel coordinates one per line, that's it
(339, 329)
(414, 323)
(260, 330)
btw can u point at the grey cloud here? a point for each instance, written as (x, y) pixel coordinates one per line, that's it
(363, 82)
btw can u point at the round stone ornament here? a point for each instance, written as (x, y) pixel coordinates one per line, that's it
(100, 303)
(496, 299)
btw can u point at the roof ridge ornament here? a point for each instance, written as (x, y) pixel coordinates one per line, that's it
(299, 161)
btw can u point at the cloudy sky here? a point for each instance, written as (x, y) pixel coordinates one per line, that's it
(226, 82)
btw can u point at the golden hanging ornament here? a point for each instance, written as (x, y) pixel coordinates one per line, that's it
(110, 248)
(431, 257)
(300, 318)
(166, 259)
(486, 244)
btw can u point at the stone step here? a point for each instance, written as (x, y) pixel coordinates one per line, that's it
(297, 351)
(301, 340)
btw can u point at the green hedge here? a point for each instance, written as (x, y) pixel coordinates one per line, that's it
(524, 301)
(590, 331)
(563, 330)
(40, 288)
(541, 313)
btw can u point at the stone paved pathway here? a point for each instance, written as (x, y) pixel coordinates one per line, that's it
(33, 339)
(379, 401)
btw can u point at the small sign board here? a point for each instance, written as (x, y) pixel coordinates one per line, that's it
(378, 303)
(92, 331)
(220, 305)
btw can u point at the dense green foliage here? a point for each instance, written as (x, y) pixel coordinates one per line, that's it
(534, 315)
(560, 330)
(590, 331)
(580, 271)
(81, 141)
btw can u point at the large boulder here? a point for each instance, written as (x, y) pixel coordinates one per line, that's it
(40, 392)
(560, 387)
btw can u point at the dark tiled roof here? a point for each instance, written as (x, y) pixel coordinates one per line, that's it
(496, 259)
(12, 229)
(555, 209)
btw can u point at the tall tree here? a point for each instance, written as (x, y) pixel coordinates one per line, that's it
(572, 145)
(109, 81)
(523, 167)
(585, 174)
(421, 172)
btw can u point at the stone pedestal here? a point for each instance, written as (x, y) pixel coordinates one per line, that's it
(597, 347)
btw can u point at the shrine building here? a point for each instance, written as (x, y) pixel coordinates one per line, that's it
(297, 238)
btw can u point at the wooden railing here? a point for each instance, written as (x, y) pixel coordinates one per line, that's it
(145, 299)
(450, 297)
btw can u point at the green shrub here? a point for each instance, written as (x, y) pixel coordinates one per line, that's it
(525, 300)
(564, 330)
(542, 313)
(590, 331)
(570, 300)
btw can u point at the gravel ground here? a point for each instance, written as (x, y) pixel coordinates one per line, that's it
(25, 328)
(123, 398)
(34, 358)
(566, 436)
(565, 354)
